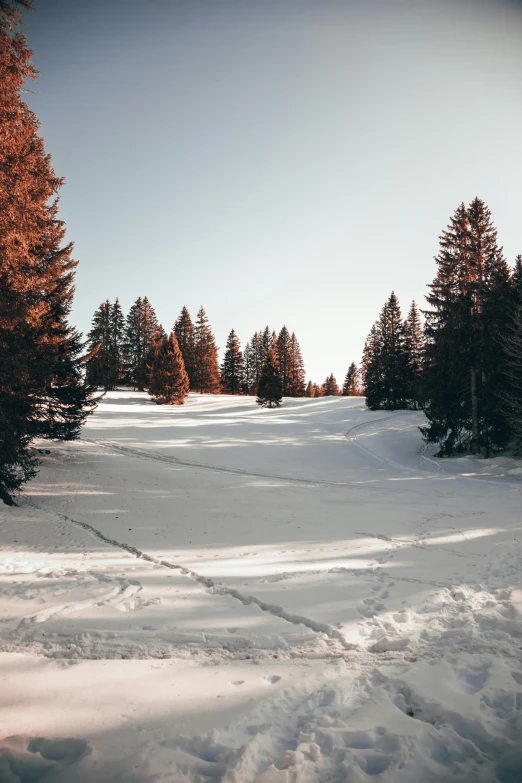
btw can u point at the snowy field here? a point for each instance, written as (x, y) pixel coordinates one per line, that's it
(220, 592)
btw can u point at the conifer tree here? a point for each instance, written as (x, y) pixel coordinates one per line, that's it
(248, 370)
(352, 382)
(384, 360)
(414, 348)
(464, 368)
(309, 390)
(318, 390)
(42, 390)
(510, 393)
(105, 366)
(232, 367)
(169, 383)
(269, 391)
(141, 327)
(283, 354)
(184, 331)
(330, 387)
(295, 386)
(205, 367)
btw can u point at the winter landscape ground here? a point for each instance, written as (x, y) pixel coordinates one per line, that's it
(219, 592)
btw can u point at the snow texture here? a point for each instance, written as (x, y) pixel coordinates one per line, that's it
(219, 592)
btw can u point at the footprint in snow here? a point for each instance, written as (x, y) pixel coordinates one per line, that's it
(272, 679)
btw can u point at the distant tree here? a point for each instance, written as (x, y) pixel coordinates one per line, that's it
(318, 390)
(269, 391)
(248, 370)
(232, 367)
(206, 375)
(414, 349)
(295, 385)
(169, 383)
(385, 361)
(283, 353)
(184, 331)
(352, 382)
(105, 366)
(330, 387)
(309, 390)
(141, 327)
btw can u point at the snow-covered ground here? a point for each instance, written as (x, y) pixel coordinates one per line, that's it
(219, 592)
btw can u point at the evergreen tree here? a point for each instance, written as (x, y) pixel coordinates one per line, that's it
(256, 359)
(248, 370)
(385, 361)
(232, 367)
(283, 353)
(205, 367)
(169, 383)
(510, 394)
(330, 387)
(269, 392)
(295, 386)
(414, 347)
(42, 390)
(105, 366)
(309, 390)
(184, 331)
(141, 327)
(318, 390)
(352, 382)
(464, 367)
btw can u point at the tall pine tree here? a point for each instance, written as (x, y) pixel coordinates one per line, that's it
(42, 390)
(464, 366)
(106, 366)
(414, 348)
(184, 331)
(232, 367)
(206, 375)
(330, 387)
(295, 384)
(169, 383)
(352, 382)
(384, 360)
(270, 391)
(141, 327)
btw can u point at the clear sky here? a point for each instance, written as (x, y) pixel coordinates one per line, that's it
(278, 161)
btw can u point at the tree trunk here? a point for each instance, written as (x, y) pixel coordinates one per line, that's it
(475, 435)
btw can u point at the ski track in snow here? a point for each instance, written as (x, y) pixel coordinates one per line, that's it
(433, 694)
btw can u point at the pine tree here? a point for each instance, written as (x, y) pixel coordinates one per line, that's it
(248, 370)
(330, 387)
(385, 361)
(105, 366)
(414, 347)
(283, 353)
(184, 331)
(318, 390)
(352, 382)
(464, 366)
(295, 386)
(42, 390)
(309, 390)
(232, 367)
(269, 391)
(169, 383)
(141, 327)
(205, 367)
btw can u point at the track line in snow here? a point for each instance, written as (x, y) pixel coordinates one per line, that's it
(215, 587)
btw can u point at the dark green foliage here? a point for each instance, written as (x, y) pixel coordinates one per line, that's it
(232, 367)
(309, 392)
(385, 360)
(205, 369)
(352, 382)
(465, 362)
(168, 380)
(141, 327)
(414, 348)
(270, 389)
(106, 364)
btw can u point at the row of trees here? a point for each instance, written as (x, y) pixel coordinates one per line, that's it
(42, 389)
(464, 365)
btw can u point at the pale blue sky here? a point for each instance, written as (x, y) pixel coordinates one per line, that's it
(278, 161)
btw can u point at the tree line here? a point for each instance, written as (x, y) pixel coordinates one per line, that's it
(463, 365)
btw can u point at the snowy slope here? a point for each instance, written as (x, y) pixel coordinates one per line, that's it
(220, 592)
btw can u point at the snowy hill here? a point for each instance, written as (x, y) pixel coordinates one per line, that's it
(219, 592)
